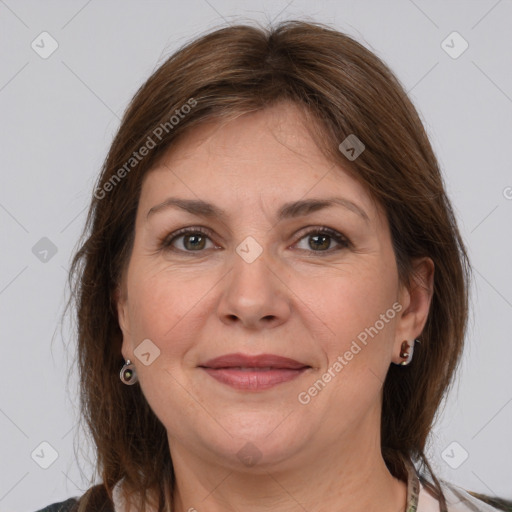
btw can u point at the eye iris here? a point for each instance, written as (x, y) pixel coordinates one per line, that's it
(196, 241)
(195, 245)
(325, 239)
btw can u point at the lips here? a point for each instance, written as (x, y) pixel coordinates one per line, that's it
(261, 362)
(253, 373)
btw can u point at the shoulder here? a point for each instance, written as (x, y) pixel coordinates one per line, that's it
(61, 506)
(96, 499)
(460, 500)
(498, 503)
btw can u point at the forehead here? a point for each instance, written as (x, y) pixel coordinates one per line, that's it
(265, 157)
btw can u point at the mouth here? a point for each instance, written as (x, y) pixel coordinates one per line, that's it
(253, 373)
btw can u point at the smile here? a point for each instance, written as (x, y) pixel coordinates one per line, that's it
(254, 379)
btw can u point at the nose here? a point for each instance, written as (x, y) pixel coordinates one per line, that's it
(254, 296)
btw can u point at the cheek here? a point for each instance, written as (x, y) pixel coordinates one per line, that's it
(357, 317)
(162, 307)
(354, 307)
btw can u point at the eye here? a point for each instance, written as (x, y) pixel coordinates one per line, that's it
(193, 240)
(321, 239)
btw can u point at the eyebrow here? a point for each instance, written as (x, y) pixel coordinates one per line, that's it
(287, 211)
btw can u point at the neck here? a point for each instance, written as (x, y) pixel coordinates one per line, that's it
(349, 477)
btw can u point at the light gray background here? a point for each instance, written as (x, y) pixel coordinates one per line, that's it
(58, 118)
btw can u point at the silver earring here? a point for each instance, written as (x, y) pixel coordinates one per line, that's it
(128, 375)
(406, 352)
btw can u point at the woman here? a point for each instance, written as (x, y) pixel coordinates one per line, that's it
(272, 292)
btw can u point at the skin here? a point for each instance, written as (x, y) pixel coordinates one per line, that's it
(295, 300)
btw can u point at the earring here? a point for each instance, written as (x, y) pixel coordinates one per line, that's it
(128, 375)
(406, 352)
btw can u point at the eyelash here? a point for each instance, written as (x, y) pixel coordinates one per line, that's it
(344, 242)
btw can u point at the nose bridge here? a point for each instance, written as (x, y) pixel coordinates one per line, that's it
(253, 294)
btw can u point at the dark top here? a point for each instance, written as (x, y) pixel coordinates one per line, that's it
(99, 501)
(63, 506)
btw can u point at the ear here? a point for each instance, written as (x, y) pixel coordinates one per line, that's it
(121, 301)
(415, 300)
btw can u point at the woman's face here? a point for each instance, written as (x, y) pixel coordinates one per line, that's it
(262, 278)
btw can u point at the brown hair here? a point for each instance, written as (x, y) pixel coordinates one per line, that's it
(342, 89)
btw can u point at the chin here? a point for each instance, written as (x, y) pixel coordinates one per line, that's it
(260, 443)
